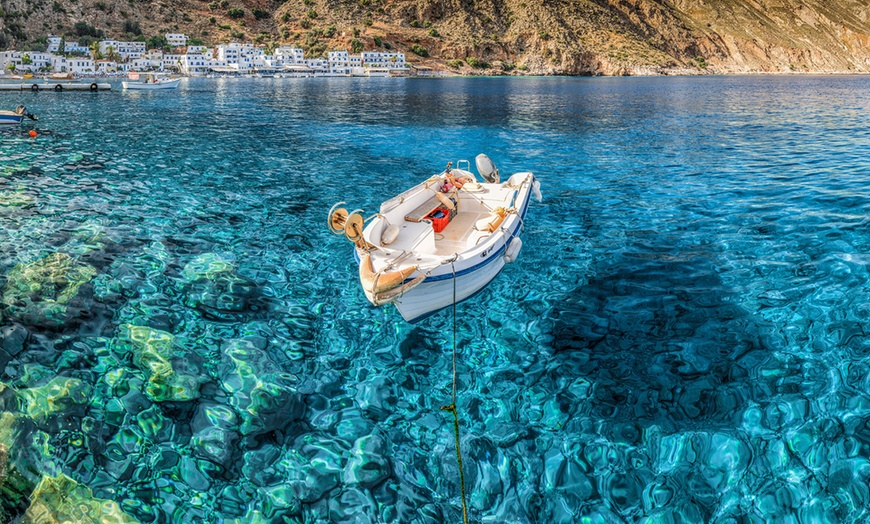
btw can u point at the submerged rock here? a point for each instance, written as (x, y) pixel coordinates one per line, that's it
(156, 354)
(300, 474)
(264, 397)
(63, 395)
(215, 290)
(40, 292)
(10, 200)
(215, 429)
(61, 499)
(208, 266)
(368, 464)
(14, 489)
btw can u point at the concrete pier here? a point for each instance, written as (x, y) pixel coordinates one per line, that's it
(56, 87)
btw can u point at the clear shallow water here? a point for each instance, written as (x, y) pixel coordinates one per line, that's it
(682, 338)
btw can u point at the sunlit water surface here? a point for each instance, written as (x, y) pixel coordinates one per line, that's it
(681, 339)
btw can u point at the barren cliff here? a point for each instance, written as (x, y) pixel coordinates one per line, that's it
(610, 37)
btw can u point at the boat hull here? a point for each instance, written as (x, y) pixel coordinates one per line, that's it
(142, 86)
(11, 119)
(434, 295)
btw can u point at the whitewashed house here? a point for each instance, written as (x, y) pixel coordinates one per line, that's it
(53, 43)
(73, 48)
(58, 64)
(172, 61)
(80, 66)
(196, 65)
(106, 66)
(339, 62)
(176, 39)
(126, 50)
(375, 59)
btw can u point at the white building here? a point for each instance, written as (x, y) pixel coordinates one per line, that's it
(196, 49)
(288, 55)
(53, 43)
(144, 64)
(235, 53)
(318, 65)
(106, 66)
(73, 48)
(383, 60)
(176, 39)
(58, 64)
(173, 61)
(80, 66)
(199, 65)
(339, 62)
(17, 58)
(126, 50)
(6, 58)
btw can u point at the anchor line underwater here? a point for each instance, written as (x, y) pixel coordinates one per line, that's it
(452, 407)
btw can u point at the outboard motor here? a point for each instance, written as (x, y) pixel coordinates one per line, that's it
(487, 169)
(21, 110)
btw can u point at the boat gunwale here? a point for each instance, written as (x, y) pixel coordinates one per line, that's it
(446, 272)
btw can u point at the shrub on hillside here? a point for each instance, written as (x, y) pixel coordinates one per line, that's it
(475, 63)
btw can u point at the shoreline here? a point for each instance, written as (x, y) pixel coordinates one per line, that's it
(673, 74)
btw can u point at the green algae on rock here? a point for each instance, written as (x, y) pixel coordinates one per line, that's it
(60, 499)
(207, 265)
(214, 289)
(10, 200)
(40, 292)
(156, 354)
(14, 489)
(61, 395)
(264, 397)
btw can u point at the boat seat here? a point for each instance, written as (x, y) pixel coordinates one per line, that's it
(427, 207)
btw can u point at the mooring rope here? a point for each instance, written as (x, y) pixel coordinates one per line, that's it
(452, 407)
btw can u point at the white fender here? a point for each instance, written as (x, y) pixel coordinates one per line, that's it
(513, 249)
(389, 234)
(536, 190)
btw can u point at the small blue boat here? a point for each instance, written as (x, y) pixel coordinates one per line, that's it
(15, 117)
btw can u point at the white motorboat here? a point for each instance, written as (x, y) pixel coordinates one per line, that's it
(15, 117)
(441, 241)
(150, 82)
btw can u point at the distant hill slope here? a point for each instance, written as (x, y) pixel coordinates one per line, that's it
(609, 37)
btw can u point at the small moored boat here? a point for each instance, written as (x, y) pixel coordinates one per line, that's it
(441, 241)
(15, 117)
(150, 81)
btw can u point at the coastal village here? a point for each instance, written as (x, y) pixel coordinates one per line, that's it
(112, 57)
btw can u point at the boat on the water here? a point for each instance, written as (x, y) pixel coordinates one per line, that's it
(150, 81)
(15, 117)
(441, 241)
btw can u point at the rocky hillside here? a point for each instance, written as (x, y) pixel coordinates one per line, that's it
(610, 37)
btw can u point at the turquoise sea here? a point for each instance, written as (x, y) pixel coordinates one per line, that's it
(682, 338)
